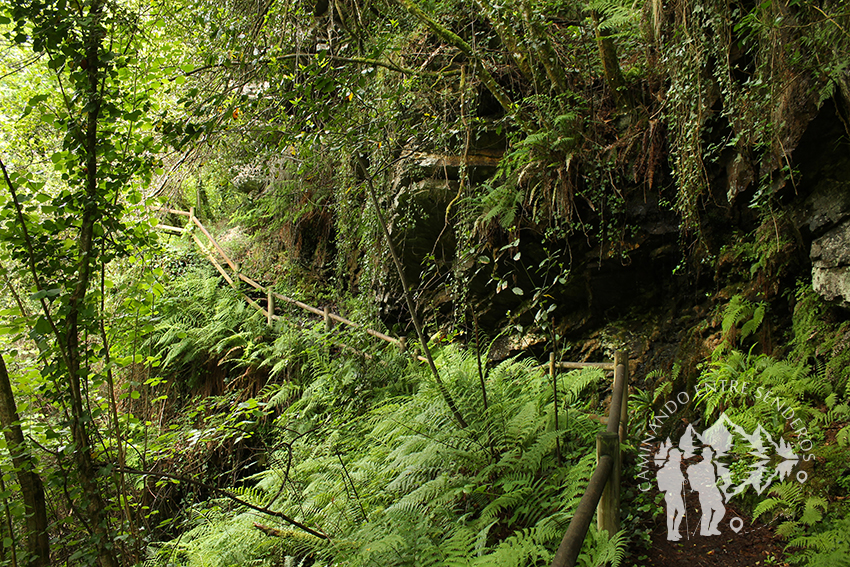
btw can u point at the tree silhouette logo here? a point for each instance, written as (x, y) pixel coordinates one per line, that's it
(757, 461)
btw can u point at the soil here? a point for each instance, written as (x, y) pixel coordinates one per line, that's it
(753, 545)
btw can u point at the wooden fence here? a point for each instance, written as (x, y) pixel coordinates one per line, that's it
(236, 275)
(603, 491)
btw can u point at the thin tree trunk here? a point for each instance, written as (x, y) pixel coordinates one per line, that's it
(67, 331)
(10, 527)
(508, 37)
(545, 52)
(95, 506)
(486, 77)
(32, 489)
(444, 392)
(611, 66)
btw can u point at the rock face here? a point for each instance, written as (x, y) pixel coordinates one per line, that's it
(823, 217)
(826, 207)
(831, 265)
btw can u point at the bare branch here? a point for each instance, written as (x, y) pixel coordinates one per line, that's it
(229, 495)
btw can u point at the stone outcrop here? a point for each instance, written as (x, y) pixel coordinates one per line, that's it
(823, 216)
(830, 256)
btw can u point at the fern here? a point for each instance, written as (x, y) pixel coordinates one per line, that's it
(614, 14)
(738, 312)
(414, 489)
(827, 547)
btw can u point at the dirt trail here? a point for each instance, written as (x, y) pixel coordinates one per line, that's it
(754, 545)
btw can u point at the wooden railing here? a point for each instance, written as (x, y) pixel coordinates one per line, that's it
(236, 275)
(603, 491)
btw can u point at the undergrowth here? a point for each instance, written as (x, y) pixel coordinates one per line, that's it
(366, 453)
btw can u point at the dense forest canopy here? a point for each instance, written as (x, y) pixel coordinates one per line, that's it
(479, 184)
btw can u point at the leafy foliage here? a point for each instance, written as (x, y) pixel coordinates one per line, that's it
(797, 403)
(398, 483)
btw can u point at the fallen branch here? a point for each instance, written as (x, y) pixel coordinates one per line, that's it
(230, 496)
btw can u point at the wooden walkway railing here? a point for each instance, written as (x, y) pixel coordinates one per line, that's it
(236, 275)
(603, 491)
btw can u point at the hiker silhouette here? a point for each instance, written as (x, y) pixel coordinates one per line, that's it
(671, 482)
(703, 479)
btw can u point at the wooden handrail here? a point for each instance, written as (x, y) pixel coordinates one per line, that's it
(302, 305)
(603, 489)
(574, 538)
(167, 210)
(227, 259)
(212, 259)
(565, 365)
(270, 294)
(579, 365)
(251, 282)
(171, 228)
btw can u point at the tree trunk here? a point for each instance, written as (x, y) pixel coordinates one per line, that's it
(545, 52)
(95, 506)
(611, 66)
(32, 489)
(487, 78)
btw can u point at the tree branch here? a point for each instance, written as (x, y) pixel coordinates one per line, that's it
(358, 60)
(230, 496)
(31, 261)
(444, 392)
(486, 77)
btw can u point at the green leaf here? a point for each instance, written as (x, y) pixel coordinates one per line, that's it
(42, 326)
(45, 293)
(517, 291)
(37, 99)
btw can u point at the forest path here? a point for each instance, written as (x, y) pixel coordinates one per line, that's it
(754, 545)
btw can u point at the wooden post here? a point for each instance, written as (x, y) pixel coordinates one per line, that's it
(555, 395)
(622, 357)
(269, 305)
(402, 344)
(329, 324)
(608, 510)
(191, 216)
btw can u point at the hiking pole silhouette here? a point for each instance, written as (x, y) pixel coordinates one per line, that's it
(685, 502)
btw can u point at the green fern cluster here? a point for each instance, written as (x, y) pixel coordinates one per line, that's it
(391, 479)
(772, 387)
(821, 337)
(741, 318)
(823, 544)
(784, 396)
(201, 319)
